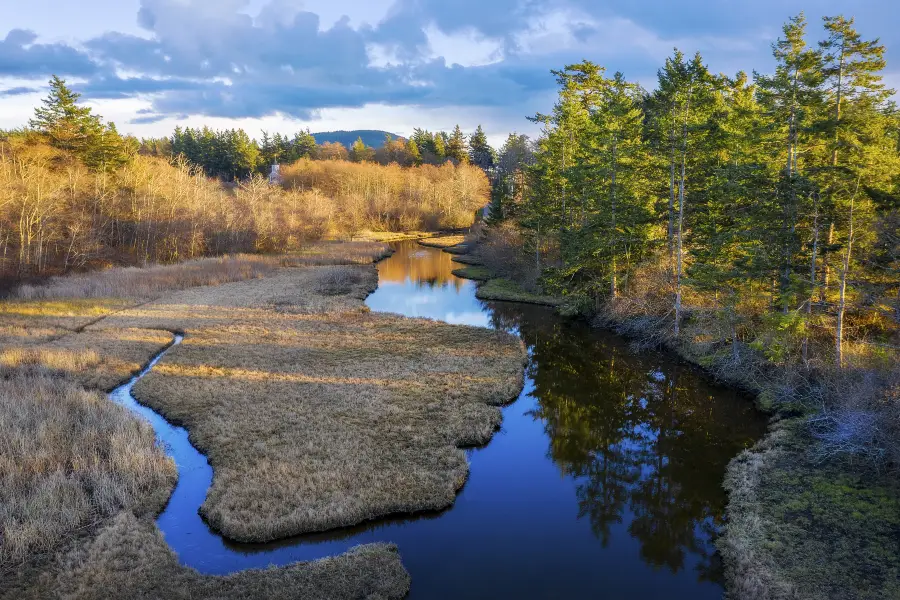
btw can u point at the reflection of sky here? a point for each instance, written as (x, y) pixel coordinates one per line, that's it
(453, 301)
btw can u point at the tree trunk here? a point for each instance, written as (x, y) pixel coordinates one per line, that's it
(679, 252)
(812, 279)
(612, 199)
(842, 302)
(671, 231)
(826, 277)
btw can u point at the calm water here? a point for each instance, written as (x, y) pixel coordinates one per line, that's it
(604, 481)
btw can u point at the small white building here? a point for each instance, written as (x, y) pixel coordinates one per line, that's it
(275, 174)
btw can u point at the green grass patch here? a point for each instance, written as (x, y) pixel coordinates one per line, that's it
(510, 291)
(466, 259)
(458, 249)
(799, 529)
(476, 273)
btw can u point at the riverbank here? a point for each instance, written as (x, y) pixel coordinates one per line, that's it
(798, 525)
(490, 285)
(265, 364)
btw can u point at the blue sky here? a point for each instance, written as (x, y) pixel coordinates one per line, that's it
(282, 65)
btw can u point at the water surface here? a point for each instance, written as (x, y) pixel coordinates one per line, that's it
(604, 481)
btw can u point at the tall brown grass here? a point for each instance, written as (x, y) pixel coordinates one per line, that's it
(151, 281)
(69, 458)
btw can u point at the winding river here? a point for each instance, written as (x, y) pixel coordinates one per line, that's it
(604, 481)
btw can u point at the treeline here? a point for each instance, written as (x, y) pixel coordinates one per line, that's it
(748, 216)
(62, 209)
(231, 154)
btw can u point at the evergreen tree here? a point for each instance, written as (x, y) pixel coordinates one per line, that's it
(412, 150)
(75, 129)
(439, 147)
(857, 126)
(480, 152)
(359, 152)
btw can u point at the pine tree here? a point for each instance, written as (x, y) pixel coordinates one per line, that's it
(792, 99)
(857, 127)
(480, 152)
(439, 148)
(412, 150)
(69, 126)
(359, 152)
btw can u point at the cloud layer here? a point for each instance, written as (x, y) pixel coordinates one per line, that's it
(214, 58)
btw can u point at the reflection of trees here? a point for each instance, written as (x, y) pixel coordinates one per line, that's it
(637, 432)
(427, 267)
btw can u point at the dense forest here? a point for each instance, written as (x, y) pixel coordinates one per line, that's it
(232, 154)
(753, 221)
(74, 194)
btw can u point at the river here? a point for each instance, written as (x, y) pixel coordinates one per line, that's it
(604, 480)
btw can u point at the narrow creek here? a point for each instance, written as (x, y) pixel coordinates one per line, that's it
(605, 478)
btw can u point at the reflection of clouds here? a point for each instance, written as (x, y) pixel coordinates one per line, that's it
(420, 299)
(477, 319)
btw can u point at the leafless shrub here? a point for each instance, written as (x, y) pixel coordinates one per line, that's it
(848, 433)
(334, 281)
(501, 251)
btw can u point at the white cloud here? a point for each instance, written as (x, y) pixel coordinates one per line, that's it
(466, 48)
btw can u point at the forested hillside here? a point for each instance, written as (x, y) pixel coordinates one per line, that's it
(373, 138)
(750, 222)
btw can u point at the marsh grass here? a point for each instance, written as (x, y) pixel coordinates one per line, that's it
(510, 291)
(128, 558)
(151, 281)
(315, 413)
(443, 241)
(69, 458)
(802, 529)
(473, 272)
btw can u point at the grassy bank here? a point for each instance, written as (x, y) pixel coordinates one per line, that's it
(82, 478)
(128, 558)
(316, 414)
(802, 529)
(491, 286)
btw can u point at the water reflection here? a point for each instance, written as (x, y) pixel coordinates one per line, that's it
(645, 439)
(417, 282)
(636, 446)
(605, 480)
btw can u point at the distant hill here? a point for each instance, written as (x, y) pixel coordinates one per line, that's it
(372, 137)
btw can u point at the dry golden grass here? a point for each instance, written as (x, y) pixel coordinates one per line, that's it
(97, 359)
(38, 321)
(313, 412)
(69, 458)
(128, 558)
(152, 281)
(444, 241)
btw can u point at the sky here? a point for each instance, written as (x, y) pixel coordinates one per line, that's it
(286, 65)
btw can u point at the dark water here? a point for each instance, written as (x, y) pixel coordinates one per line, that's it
(604, 482)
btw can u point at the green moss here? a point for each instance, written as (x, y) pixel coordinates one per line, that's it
(509, 291)
(825, 530)
(473, 272)
(466, 259)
